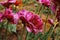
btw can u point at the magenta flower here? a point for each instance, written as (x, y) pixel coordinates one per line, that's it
(25, 15)
(9, 15)
(45, 2)
(33, 22)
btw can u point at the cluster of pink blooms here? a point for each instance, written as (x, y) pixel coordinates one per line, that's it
(32, 21)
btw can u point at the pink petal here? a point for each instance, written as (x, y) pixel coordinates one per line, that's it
(11, 1)
(51, 21)
(16, 18)
(28, 29)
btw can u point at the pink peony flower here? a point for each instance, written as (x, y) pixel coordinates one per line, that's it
(33, 22)
(45, 2)
(36, 24)
(25, 15)
(22, 15)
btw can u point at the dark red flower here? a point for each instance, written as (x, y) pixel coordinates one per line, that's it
(8, 15)
(32, 21)
(36, 24)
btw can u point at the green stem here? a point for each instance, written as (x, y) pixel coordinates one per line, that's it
(52, 30)
(20, 37)
(53, 36)
(27, 37)
(45, 23)
(26, 34)
(6, 31)
(0, 30)
(36, 37)
(39, 9)
(0, 36)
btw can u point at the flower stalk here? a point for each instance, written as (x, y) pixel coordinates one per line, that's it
(6, 37)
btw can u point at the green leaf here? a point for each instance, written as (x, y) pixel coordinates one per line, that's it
(12, 27)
